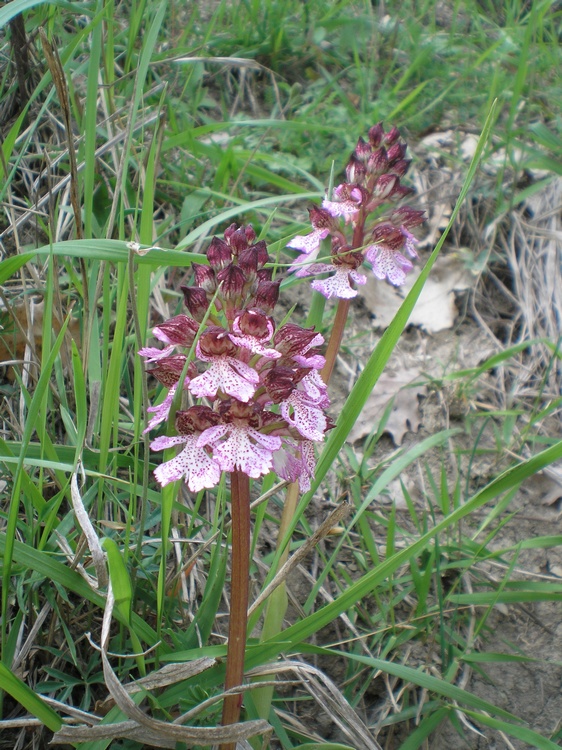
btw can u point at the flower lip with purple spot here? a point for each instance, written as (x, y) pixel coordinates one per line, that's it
(193, 464)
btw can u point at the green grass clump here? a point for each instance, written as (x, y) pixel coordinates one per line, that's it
(184, 119)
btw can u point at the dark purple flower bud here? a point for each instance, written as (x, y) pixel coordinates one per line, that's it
(279, 383)
(362, 150)
(264, 274)
(232, 280)
(234, 410)
(196, 301)
(250, 233)
(254, 323)
(388, 235)
(401, 191)
(267, 295)
(321, 219)
(378, 161)
(229, 231)
(347, 257)
(330, 424)
(376, 134)
(396, 152)
(386, 185)
(400, 167)
(347, 192)
(392, 136)
(263, 255)
(248, 260)
(196, 419)
(204, 277)
(355, 170)
(218, 253)
(238, 241)
(215, 342)
(407, 217)
(291, 339)
(168, 370)
(180, 330)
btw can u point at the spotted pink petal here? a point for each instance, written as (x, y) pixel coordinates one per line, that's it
(308, 464)
(153, 354)
(315, 389)
(316, 361)
(305, 416)
(347, 208)
(193, 464)
(389, 264)
(161, 411)
(167, 441)
(244, 449)
(286, 464)
(309, 243)
(410, 243)
(338, 285)
(229, 375)
(254, 345)
(303, 270)
(296, 462)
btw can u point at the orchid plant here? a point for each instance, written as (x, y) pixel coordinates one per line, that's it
(256, 393)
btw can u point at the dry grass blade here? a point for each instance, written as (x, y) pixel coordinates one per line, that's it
(141, 726)
(530, 298)
(333, 519)
(63, 182)
(534, 251)
(59, 79)
(98, 555)
(162, 678)
(122, 730)
(329, 698)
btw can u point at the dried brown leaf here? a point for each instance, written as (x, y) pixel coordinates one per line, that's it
(405, 414)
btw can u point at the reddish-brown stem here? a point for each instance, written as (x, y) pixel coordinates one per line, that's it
(240, 511)
(335, 339)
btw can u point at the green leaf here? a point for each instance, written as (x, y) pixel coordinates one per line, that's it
(120, 581)
(534, 739)
(42, 563)
(28, 699)
(14, 8)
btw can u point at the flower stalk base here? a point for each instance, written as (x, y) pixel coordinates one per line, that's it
(240, 509)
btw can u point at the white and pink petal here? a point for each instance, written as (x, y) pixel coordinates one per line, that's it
(389, 264)
(315, 389)
(305, 416)
(193, 464)
(228, 375)
(286, 464)
(345, 208)
(240, 452)
(254, 345)
(410, 243)
(309, 243)
(153, 354)
(161, 411)
(338, 285)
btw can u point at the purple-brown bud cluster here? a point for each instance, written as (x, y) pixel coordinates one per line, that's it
(373, 179)
(237, 268)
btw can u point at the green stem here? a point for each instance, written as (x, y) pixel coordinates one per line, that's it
(240, 511)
